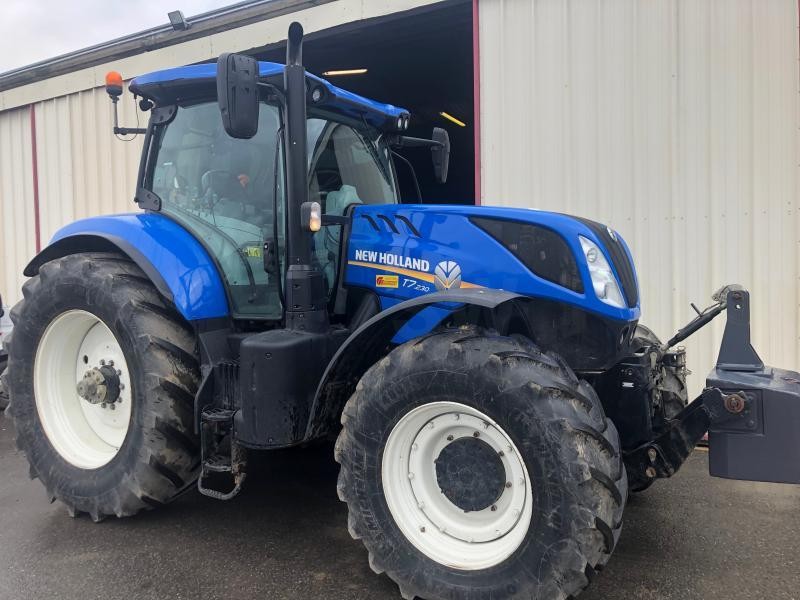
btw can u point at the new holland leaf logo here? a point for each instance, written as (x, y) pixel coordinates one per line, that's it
(447, 275)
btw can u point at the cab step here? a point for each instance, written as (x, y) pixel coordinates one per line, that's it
(219, 453)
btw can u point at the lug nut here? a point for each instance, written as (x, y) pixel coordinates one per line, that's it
(508, 484)
(449, 438)
(650, 472)
(422, 529)
(111, 363)
(494, 507)
(501, 453)
(476, 434)
(103, 362)
(112, 407)
(652, 454)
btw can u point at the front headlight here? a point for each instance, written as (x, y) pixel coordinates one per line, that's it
(604, 283)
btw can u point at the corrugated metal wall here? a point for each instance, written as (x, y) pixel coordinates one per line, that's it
(674, 121)
(83, 170)
(17, 215)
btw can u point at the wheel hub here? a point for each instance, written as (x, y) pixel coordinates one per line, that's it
(100, 385)
(470, 474)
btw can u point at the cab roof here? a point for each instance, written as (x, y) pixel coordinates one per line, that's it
(194, 82)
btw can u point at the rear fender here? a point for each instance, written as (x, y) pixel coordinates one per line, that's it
(175, 262)
(374, 340)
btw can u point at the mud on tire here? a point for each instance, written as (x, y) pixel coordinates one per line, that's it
(570, 450)
(160, 455)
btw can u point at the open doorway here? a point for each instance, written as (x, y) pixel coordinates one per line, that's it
(420, 60)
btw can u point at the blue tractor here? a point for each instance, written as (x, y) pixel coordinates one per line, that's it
(492, 396)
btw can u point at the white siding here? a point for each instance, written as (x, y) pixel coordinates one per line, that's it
(675, 121)
(84, 170)
(17, 228)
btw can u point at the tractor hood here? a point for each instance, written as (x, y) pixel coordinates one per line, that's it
(402, 251)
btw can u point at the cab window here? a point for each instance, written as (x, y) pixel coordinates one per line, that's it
(224, 190)
(347, 167)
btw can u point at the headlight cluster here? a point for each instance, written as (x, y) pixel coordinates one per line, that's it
(604, 282)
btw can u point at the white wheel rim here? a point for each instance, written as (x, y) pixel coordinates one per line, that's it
(86, 435)
(429, 520)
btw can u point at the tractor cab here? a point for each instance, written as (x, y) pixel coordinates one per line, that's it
(232, 194)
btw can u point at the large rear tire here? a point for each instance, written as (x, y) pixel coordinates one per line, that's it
(476, 466)
(97, 319)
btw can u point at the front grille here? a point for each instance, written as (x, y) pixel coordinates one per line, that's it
(619, 259)
(540, 249)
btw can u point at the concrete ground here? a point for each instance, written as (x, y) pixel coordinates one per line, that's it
(285, 537)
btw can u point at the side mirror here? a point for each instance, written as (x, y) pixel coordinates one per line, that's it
(237, 94)
(441, 154)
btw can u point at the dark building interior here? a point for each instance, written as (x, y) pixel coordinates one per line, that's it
(420, 60)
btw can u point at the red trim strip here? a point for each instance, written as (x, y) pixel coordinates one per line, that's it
(476, 95)
(35, 165)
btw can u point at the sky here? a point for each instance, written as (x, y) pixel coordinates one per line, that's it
(34, 30)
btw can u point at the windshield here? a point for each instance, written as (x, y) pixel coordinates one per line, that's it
(223, 189)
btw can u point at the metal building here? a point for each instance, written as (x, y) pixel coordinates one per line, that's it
(675, 121)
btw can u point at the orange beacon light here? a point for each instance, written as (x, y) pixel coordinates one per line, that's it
(114, 84)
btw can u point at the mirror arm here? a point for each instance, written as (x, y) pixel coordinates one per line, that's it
(335, 220)
(404, 141)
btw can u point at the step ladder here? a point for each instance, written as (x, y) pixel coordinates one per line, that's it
(216, 426)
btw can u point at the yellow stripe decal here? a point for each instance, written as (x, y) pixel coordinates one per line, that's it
(421, 275)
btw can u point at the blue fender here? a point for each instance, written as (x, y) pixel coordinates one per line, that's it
(178, 265)
(370, 342)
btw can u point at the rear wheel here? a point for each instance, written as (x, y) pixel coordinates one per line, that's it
(475, 465)
(102, 376)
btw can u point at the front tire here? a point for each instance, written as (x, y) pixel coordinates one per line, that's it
(96, 318)
(476, 466)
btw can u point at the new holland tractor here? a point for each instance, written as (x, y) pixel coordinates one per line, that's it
(492, 396)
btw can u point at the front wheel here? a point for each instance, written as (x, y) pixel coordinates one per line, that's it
(475, 465)
(101, 377)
